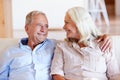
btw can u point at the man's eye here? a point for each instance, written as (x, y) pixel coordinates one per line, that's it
(39, 25)
(46, 26)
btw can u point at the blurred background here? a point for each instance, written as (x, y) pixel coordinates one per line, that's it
(105, 13)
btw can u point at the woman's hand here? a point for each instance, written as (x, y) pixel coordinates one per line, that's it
(57, 77)
(105, 43)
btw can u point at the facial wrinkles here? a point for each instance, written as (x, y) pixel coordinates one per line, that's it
(40, 28)
(71, 29)
(42, 23)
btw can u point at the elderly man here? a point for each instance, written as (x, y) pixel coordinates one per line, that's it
(31, 58)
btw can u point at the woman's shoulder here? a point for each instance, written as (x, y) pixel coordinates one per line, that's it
(63, 43)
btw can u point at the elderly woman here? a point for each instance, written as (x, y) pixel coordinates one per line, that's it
(80, 57)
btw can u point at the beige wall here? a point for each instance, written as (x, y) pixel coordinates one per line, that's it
(117, 9)
(6, 29)
(5, 19)
(2, 28)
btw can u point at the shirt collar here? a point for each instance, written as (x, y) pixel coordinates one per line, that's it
(23, 43)
(92, 44)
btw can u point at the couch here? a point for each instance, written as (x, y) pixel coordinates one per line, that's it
(7, 42)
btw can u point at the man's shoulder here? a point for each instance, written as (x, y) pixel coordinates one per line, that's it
(51, 42)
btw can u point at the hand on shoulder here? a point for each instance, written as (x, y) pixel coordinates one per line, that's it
(105, 42)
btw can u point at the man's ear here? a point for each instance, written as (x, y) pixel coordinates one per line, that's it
(26, 28)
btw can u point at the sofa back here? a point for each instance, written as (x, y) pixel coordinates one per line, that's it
(116, 47)
(7, 42)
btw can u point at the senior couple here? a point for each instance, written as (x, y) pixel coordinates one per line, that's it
(86, 53)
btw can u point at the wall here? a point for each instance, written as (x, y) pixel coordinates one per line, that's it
(7, 12)
(5, 19)
(117, 9)
(110, 5)
(2, 28)
(55, 10)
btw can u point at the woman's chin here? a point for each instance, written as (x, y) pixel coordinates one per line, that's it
(73, 39)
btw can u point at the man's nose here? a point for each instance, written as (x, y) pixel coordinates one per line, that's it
(42, 29)
(64, 27)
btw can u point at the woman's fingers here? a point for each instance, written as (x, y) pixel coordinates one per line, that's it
(105, 43)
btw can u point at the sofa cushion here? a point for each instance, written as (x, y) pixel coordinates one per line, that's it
(116, 47)
(6, 43)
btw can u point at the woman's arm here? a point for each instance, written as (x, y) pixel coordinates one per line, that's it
(113, 71)
(57, 77)
(57, 64)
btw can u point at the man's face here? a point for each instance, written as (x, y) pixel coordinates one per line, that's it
(38, 29)
(71, 29)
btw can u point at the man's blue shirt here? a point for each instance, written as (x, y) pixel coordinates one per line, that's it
(22, 63)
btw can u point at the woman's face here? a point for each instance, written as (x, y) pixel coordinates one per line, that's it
(70, 28)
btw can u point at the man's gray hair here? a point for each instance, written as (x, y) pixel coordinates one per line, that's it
(30, 15)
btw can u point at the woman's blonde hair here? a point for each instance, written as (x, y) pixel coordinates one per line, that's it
(84, 23)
